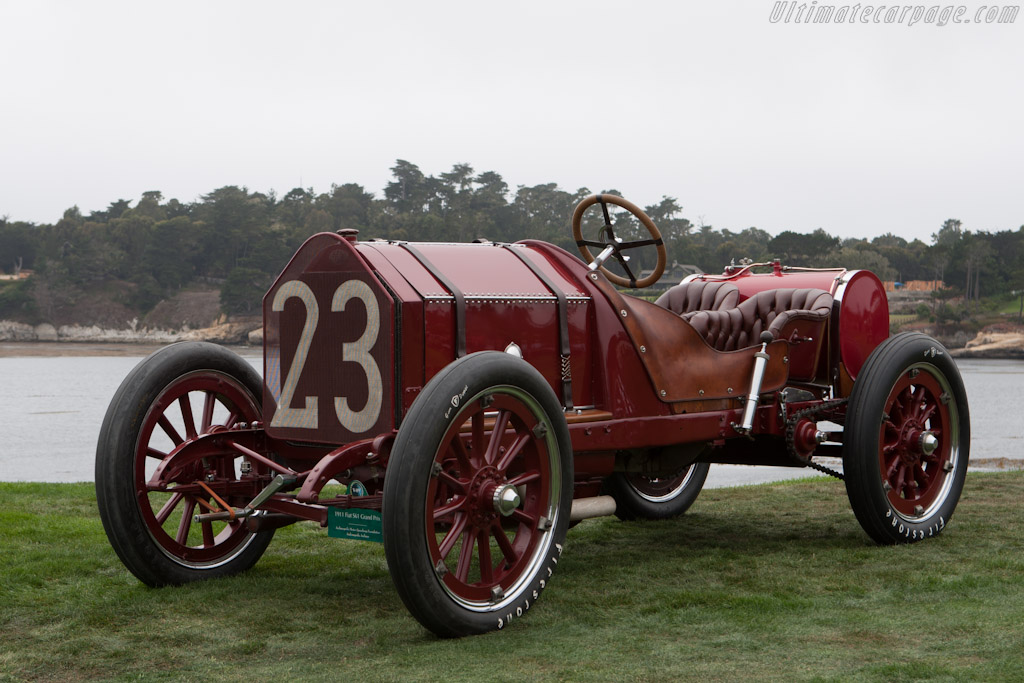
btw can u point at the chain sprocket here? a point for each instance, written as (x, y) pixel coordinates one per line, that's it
(822, 410)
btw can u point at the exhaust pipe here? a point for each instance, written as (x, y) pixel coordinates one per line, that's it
(585, 508)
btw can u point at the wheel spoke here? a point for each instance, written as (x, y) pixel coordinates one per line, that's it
(524, 478)
(168, 508)
(524, 518)
(461, 454)
(921, 477)
(154, 453)
(452, 536)
(452, 482)
(504, 544)
(465, 556)
(208, 539)
(497, 435)
(449, 508)
(512, 452)
(910, 488)
(927, 411)
(186, 416)
(901, 474)
(185, 523)
(169, 430)
(483, 540)
(209, 403)
(891, 470)
(478, 436)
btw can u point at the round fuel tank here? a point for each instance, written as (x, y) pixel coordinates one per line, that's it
(863, 312)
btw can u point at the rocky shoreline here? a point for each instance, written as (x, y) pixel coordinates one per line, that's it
(222, 332)
(996, 344)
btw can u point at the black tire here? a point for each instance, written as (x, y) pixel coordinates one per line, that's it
(456, 478)
(907, 440)
(639, 496)
(162, 552)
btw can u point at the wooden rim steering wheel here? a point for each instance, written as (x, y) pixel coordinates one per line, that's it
(612, 246)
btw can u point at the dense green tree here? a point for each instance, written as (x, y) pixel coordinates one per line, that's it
(796, 249)
(243, 291)
(17, 246)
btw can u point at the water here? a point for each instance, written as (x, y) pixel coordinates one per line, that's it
(52, 405)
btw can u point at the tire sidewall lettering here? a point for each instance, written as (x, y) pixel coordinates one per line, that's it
(521, 607)
(915, 531)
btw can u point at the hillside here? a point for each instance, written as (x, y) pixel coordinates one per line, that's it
(101, 314)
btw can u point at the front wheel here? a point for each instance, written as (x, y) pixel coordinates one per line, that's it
(907, 440)
(477, 495)
(640, 496)
(169, 402)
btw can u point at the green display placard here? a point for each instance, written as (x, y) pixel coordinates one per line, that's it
(356, 523)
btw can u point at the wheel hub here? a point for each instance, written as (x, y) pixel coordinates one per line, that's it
(911, 443)
(487, 493)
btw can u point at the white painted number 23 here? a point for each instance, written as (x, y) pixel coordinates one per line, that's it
(356, 421)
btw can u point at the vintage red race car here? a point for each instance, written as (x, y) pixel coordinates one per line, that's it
(465, 404)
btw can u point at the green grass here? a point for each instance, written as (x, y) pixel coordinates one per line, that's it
(772, 582)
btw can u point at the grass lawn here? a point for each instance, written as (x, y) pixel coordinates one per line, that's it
(773, 582)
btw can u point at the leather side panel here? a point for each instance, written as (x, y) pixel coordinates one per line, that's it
(680, 364)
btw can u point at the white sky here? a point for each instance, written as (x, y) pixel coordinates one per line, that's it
(859, 129)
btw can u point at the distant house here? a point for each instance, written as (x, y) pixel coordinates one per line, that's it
(673, 275)
(914, 286)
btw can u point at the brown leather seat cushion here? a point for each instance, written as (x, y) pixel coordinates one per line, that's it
(699, 295)
(740, 327)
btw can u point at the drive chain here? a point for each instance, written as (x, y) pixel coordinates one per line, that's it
(820, 409)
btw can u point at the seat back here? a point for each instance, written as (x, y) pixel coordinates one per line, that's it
(772, 310)
(699, 295)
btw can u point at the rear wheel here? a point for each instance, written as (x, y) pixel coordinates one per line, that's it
(907, 440)
(640, 496)
(477, 495)
(172, 398)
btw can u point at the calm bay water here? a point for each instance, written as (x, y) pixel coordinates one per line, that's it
(52, 404)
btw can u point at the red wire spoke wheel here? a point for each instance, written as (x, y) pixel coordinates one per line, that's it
(165, 405)
(907, 440)
(641, 496)
(477, 495)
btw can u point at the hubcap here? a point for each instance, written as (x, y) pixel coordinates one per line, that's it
(506, 499)
(928, 443)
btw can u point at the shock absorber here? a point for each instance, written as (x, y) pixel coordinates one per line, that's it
(760, 362)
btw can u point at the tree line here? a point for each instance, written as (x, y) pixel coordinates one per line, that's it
(239, 239)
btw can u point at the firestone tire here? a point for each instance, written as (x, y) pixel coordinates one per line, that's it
(477, 495)
(150, 530)
(641, 497)
(907, 440)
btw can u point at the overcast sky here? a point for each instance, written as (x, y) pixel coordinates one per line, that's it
(857, 128)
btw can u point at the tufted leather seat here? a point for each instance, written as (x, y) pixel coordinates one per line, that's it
(699, 295)
(739, 327)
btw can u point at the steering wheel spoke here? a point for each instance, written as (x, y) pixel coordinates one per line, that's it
(612, 246)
